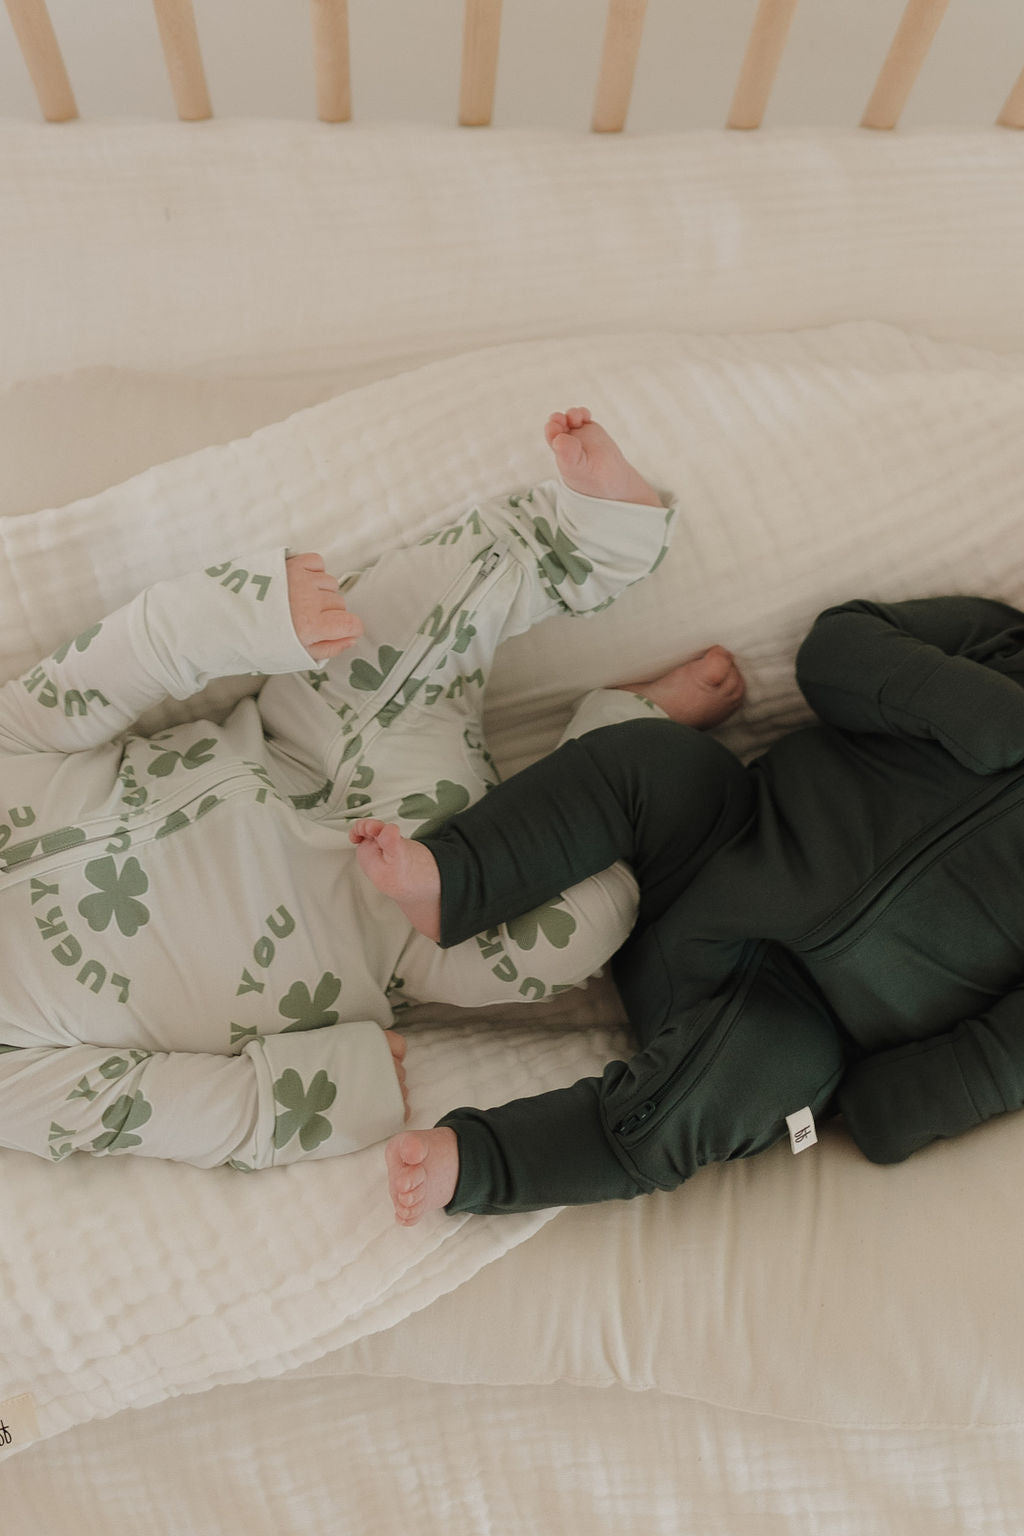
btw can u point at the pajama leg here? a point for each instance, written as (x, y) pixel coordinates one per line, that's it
(715, 1084)
(405, 712)
(392, 727)
(556, 946)
(660, 795)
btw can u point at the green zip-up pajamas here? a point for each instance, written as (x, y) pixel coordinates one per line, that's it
(840, 924)
(194, 966)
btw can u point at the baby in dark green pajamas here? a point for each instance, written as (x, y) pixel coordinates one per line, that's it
(837, 926)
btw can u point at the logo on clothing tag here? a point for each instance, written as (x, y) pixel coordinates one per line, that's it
(801, 1130)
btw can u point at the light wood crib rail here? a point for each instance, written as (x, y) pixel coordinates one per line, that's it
(179, 37)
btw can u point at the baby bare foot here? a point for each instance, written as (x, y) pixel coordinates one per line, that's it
(423, 1170)
(401, 869)
(702, 692)
(589, 461)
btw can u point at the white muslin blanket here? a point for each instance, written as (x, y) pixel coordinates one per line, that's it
(810, 468)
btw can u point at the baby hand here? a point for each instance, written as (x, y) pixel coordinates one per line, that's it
(321, 620)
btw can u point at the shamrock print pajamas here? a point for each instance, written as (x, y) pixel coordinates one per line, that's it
(195, 967)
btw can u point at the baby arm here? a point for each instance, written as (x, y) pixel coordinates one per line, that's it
(264, 615)
(897, 1101)
(944, 669)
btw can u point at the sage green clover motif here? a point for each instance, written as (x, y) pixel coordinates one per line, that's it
(199, 752)
(116, 898)
(303, 1109)
(80, 642)
(365, 677)
(556, 925)
(563, 560)
(449, 798)
(123, 1118)
(175, 822)
(310, 1012)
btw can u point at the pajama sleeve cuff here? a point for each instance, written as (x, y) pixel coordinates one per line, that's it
(898, 1101)
(322, 1093)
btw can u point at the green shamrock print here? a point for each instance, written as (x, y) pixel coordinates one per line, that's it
(80, 642)
(311, 1012)
(557, 926)
(121, 1119)
(563, 559)
(199, 752)
(117, 896)
(450, 798)
(174, 823)
(366, 677)
(302, 1109)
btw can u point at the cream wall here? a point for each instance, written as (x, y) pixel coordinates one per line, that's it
(406, 55)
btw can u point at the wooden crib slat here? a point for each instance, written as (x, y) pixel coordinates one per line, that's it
(622, 34)
(914, 37)
(177, 23)
(1012, 115)
(331, 60)
(761, 63)
(41, 51)
(480, 37)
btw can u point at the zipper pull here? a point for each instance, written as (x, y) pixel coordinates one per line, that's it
(638, 1117)
(489, 562)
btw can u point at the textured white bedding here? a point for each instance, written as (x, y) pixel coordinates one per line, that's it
(263, 245)
(360, 1455)
(809, 467)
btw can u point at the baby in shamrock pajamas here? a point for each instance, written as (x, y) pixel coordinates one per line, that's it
(196, 966)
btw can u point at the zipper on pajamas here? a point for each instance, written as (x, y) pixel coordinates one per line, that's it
(844, 927)
(665, 1098)
(53, 849)
(451, 601)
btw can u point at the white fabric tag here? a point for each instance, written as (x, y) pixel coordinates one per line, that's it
(801, 1130)
(18, 1423)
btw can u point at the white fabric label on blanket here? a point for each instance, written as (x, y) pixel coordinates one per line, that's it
(18, 1424)
(801, 1130)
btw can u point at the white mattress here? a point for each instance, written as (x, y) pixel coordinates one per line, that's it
(356, 1456)
(260, 258)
